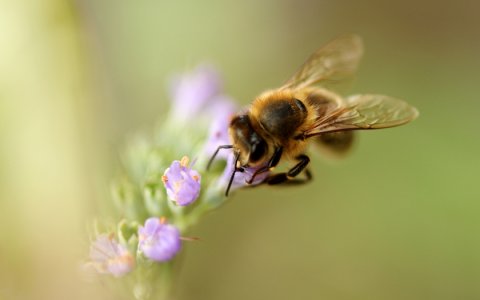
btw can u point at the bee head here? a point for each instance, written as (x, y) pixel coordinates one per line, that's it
(251, 146)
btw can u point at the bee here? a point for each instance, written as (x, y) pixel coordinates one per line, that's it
(280, 123)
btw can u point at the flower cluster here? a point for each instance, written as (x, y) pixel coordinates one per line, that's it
(159, 197)
(158, 241)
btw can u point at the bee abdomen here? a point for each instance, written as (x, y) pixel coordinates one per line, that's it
(281, 118)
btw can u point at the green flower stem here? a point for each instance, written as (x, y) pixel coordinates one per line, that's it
(154, 281)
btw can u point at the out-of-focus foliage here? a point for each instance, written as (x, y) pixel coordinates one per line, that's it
(398, 219)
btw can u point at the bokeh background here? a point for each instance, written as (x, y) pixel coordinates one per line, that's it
(398, 219)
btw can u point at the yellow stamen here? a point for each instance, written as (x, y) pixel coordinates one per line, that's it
(184, 161)
(164, 179)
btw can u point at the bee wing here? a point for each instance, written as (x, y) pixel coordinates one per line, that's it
(336, 61)
(364, 112)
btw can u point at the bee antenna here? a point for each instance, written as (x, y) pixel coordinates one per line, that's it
(237, 155)
(216, 152)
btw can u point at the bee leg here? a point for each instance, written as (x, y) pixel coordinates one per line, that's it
(235, 170)
(216, 152)
(273, 162)
(289, 176)
(303, 162)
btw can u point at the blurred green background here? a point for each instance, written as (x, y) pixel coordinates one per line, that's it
(398, 219)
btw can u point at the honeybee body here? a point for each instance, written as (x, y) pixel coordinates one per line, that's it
(280, 123)
(281, 117)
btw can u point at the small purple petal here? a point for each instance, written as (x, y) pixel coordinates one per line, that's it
(181, 182)
(218, 133)
(158, 241)
(108, 256)
(192, 92)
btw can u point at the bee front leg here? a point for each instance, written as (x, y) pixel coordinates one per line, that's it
(216, 152)
(289, 177)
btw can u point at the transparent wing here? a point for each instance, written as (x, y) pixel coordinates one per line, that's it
(364, 112)
(336, 61)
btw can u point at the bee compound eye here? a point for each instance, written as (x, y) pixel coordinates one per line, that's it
(257, 151)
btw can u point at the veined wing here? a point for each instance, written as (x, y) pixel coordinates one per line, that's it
(336, 61)
(364, 112)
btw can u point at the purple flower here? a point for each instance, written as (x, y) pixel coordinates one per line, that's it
(157, 240)
(107, 256)
(182, 183)
(192, 92)
(241, 178)
(218, 132)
